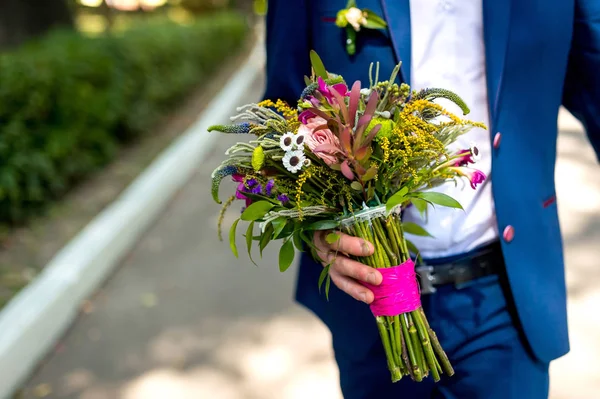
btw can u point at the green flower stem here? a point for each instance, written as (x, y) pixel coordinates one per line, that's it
(394, 343)
(394, 369)
(397, 335)
(425, 342)
(416, 371)
(410, 345)
(442, 357)
(402, 241)
(437, 365)
(396, 230)
(384, 241)
(405, 357)
(392, 238)
(412, 331)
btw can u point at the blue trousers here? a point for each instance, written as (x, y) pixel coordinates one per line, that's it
(475, 326)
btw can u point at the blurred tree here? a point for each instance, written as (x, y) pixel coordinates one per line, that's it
(21, 20)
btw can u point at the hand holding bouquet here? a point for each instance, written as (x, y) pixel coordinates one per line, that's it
(348, 160)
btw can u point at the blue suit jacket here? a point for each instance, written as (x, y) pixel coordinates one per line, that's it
(540, 54)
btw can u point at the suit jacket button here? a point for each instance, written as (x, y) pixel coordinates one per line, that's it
(509, 233)
(497, 139)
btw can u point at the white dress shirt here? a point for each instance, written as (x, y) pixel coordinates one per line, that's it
(448, 52)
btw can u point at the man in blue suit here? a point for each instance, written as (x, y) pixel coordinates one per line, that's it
(495, 287)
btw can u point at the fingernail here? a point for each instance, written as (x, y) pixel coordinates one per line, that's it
(366, 247)
(363, 297)
(371, 278)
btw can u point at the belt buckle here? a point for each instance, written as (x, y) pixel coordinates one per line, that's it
(426, 277)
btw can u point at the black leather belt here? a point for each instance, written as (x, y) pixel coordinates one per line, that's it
(484, 262)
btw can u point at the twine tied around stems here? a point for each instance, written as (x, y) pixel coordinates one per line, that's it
(398, 292)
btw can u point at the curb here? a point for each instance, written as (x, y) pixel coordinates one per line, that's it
(40, 314)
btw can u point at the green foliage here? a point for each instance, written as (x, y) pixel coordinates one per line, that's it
(286, 255)
(438, 199)
(232, 244)
(256, 210)
(67, 102)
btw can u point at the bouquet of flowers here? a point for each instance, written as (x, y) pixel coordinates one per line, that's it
(349, 160)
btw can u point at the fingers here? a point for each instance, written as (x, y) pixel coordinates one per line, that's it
(354, 270)
(346, 244)
(352, 245)
(351, 287)
(346, 273)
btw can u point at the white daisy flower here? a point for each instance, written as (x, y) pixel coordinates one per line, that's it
(299, 140)
(294, 160)
(287, 141)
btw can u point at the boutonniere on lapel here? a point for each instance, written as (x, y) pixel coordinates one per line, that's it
(353, 19)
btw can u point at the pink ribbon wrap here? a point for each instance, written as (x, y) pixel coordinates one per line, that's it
(398, 292)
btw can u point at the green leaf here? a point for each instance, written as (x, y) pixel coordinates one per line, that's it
(415, 229)
(396, 199)
(278, 225)
(370, 174)
(438, 198)
(322, 276)
(249, 241)
(327, 286)
(374, 21)
(232, 238)
(298, 241)
(332, 237)
(265, 238)
(420, 204)
(323, 225)
(356, 186)
(317, 64)
(308, 240)
(256, 210)
(286, 255)
(260, 197)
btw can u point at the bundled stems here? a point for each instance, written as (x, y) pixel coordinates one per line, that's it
(411, 346)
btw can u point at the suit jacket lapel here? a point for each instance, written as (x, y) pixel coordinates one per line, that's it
(397, 16)
(496, 24)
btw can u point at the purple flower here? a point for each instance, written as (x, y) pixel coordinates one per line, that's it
(241, 188)
(475, 176)
(283, 198)
(269, 187)
(256, 189)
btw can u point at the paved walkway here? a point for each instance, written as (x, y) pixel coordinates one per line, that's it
(182, 318)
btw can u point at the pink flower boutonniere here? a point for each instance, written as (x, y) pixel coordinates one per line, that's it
(353, 19)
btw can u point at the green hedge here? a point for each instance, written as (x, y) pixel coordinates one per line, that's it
(68, 101)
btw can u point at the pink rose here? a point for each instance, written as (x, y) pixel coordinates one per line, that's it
(323, 143)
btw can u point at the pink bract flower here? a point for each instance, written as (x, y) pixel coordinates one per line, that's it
(323, 143)
(467, 156)
(326, 90)
(475, 176)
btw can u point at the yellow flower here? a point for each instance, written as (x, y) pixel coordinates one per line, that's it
(258, 158)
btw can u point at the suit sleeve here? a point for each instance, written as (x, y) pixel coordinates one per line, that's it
(287, 49)
(581, 94)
